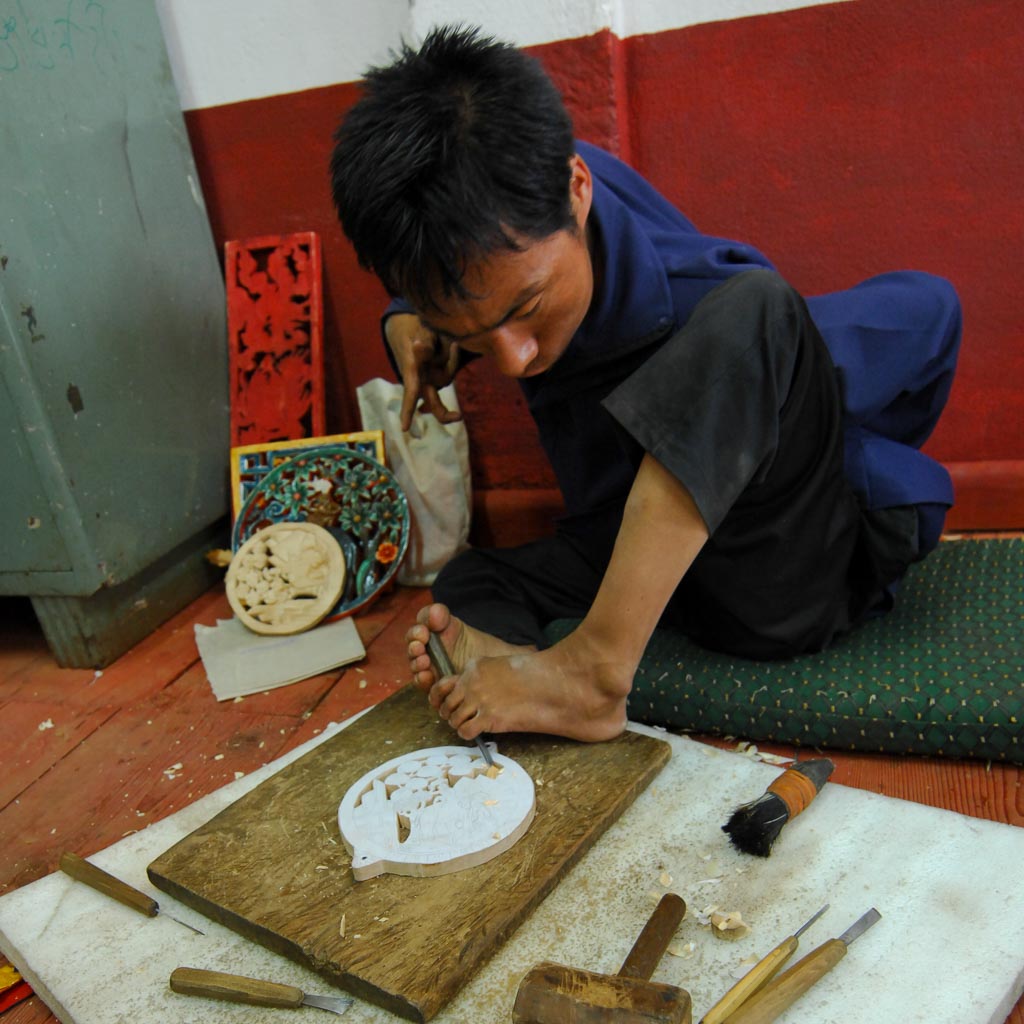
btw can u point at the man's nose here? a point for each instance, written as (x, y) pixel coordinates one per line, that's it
(513, 350)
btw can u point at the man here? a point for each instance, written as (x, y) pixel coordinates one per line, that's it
(727, 470)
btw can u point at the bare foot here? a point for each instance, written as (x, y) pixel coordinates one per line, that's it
(576, 689)
(463, 643)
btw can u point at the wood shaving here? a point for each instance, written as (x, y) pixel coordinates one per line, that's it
(774, 759)
(750, 750)
(704, 916)
(728, 925)
(221, 557)
(490, 803)
(493, 771)
(683, 950)
(341, 927)
(665, 878)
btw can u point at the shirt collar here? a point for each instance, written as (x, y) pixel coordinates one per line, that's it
(632, 301)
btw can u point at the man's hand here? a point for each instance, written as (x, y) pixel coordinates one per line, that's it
(426, 363)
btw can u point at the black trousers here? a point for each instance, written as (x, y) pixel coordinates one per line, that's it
(743, 407)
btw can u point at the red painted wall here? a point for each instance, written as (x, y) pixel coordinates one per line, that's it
(853, 138)
(842, 139)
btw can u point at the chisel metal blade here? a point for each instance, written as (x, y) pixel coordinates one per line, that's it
(860, 926)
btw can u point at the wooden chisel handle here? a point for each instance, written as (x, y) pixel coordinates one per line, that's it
(756, 978)
(780, 993)
(96, 878)
(234, 988)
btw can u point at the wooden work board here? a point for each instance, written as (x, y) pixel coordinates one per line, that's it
(273, 868)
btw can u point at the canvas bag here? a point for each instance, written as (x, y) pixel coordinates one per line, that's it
(431, 463)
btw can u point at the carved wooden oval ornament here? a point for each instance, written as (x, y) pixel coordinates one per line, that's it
(435, 811)
(285, 578)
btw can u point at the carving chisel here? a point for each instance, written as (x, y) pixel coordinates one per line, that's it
(758, 976)
(781, 992)
(443, 667)
(234, 988)
(96, 878)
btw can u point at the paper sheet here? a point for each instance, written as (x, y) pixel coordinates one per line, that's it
(239, 662)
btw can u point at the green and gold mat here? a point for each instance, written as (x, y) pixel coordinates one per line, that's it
(939, 675)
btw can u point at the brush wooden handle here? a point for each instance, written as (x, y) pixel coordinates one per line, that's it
(652, 942)
(780, 993)
(98, 879)
(755, 979)
(233, 988)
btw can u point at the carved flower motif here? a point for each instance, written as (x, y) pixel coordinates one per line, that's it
(387, 553)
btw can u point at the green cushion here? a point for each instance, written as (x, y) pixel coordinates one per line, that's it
(939, 675)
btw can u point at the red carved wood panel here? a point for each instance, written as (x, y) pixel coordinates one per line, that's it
(275, 338)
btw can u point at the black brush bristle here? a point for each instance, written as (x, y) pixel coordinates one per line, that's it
(754, 827)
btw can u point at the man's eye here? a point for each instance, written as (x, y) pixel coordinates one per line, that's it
(527, 313)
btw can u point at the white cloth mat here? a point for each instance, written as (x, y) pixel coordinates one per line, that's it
(948, 950)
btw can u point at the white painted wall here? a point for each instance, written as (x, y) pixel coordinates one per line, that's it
(224, 51)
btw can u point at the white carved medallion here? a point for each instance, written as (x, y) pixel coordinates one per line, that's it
(435, 811)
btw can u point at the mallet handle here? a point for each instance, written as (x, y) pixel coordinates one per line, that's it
(652, 942)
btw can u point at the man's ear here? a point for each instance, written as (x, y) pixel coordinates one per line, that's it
(581, 190)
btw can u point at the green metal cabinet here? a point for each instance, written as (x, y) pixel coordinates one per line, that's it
(113, 361)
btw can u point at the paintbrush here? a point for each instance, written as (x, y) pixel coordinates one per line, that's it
(755, 826)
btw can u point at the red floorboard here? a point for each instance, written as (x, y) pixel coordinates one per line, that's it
(102, 769)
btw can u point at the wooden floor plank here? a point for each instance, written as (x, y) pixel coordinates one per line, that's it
(109, 765)
(39, 735)
(385, 670)
(142, 765)
(145, 669)
(17, 658)
(976, 788)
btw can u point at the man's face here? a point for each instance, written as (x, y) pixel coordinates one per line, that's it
(526, 305)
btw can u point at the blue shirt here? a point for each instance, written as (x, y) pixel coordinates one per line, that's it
(893, 338)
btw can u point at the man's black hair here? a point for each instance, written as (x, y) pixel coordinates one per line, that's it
(451, 151)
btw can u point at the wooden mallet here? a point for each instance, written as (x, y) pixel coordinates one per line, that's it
(553, 994)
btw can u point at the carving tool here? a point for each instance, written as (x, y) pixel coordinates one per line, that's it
(754, 827)
(96, 878)
(758, 976)
(443, 667)
(234, 988)
(553, 994)
(781, 992)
